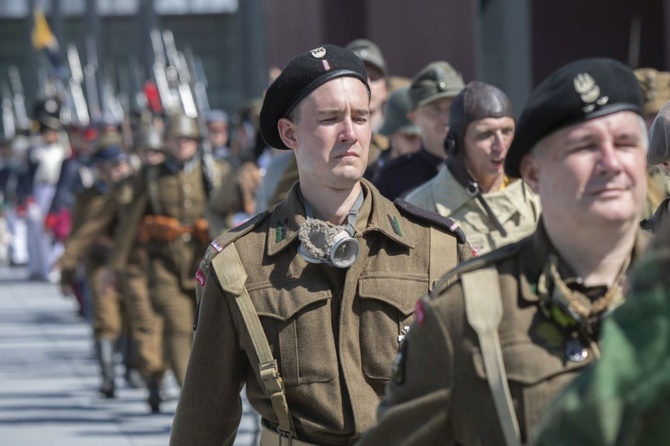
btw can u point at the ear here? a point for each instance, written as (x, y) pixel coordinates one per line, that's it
(530, 172)
(287, 132)
(666, 167)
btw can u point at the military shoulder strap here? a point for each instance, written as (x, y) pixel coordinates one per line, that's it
(472, 264)
(432, 218)
(232, 277)
(483, 309)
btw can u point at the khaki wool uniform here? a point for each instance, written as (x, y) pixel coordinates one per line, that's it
(180, 193)
(334, 332)
(440, 394)
(145, 325)
(516, 207)
(90, 241)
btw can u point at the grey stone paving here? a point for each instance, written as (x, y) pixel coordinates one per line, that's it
(49, 378)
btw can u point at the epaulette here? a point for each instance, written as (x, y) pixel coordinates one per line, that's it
(228, 237)
(474, 263)
(433, 218)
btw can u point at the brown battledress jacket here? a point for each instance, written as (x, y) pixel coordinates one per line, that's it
(181, 194)
(440, 394)
(94, 217)
(334, 332)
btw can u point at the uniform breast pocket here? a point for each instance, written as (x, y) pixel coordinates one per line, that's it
(298, 327)
(387, 306)
(535, 375)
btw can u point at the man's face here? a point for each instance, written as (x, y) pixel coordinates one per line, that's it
(114, 172)
(592, 173)
(151, 157)
(331, 137)
(378, 88)
(433, 120)
(182, 148)
(50, 136)
(485, 145)
(403, 143)
(218, 134)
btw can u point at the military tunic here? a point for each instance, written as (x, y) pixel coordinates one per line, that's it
(178, 192)
(516, 207)
(441, 394)
(334, 332)
(90, 241)
(623, 399)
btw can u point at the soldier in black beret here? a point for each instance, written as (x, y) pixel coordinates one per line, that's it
(305, 304)
(503, 334)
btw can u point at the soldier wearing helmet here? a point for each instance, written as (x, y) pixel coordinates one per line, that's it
(171, 214)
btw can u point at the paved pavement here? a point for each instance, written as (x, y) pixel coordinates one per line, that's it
(49, 378)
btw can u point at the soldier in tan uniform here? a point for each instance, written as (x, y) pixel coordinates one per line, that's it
(656, 88)
(507, 331)
(167, 215)
(492, 209)
(146, 325)
(659, 157)
(94, 218)
(306, 303)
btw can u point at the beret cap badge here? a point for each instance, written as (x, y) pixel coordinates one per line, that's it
(589, 92)
(318, 52)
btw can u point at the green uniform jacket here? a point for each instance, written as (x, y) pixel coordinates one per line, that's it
(334, 332)
(516, 207)
(623, 399)
(441, 396)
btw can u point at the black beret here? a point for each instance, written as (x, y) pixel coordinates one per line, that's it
(304, 74)
(577, 92)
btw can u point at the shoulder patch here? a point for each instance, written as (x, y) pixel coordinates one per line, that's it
(482, 261)
(218, 244)
(433, 218)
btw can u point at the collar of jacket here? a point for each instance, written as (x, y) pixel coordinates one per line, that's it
(175, 167)
(290, 214)
(535, 253)
(449, 196)
(428, 157)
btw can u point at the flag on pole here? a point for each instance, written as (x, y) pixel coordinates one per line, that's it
(42, 36)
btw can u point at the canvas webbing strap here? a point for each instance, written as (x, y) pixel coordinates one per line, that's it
(232, 277)
(483, 308)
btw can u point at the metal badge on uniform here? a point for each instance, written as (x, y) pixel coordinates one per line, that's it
(398, 369)
(589, 92)
(216, 246)
(575, 351)
(318, 52)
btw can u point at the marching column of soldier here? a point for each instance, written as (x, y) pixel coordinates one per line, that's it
(465, 312)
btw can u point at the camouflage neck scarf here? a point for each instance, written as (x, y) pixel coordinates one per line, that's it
(577, 306)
